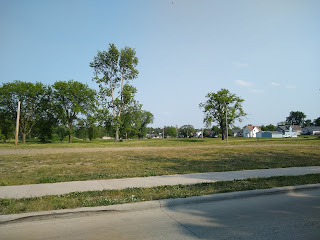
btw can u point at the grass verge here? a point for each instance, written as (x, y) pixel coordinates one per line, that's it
(129, 195)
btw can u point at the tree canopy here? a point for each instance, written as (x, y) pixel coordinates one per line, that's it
(220, 104)
(33, 98)
(72, 98)
(186, 131)
(296, 118)
(113, 70)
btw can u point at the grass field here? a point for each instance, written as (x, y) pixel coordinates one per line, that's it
(57, 162)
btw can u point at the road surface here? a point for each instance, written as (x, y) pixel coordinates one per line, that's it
(293, 215)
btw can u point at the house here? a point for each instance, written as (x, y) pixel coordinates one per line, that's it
(287, 131)
(282, 128)
(237, 132)
(269, 134)
(314, 130)
(199, 134)
(251, 131)
(297, 128)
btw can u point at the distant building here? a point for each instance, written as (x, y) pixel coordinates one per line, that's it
(251, 131)
(237, 132)
(314, 130)
(269, 134)
(295, 128)
(287, 131)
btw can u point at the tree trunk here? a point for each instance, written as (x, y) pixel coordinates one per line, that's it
(70, 132)
(223, 131)
(117, 134)
(24, 138)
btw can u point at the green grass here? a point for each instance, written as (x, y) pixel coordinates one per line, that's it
(129, 195)
(141, 158)
(304, 140)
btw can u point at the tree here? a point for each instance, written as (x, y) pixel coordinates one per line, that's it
(33, 98)
(317, 121)
(62, 132)
(220, 104)
(216, 130)
(296, 118)
(269, 127)
(72, 98)
(92, 129)
(6, 127)
(112, 69)
(186, 131)
(170, 131)
(134, 120)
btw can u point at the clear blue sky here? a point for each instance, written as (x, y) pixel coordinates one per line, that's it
(267, 52)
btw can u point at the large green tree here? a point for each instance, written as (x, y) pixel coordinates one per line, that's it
(113, 69)
(170, 131)
(220, 105)
(72, 99)
(296, 117)
(133, 120)
(34, 98)
(186, 131)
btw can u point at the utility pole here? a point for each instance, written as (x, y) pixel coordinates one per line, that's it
(17, 125)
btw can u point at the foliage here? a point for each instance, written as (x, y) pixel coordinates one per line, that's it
(220, 103)
(134, 121)
(296, 118)
(170, 131)
(34, 98)
(72, 98)
(269, 127)
(62, 132)
(112, 68)
(6, 127)
(186, 131)
(44, 129)
(216, 130)
(317, 121)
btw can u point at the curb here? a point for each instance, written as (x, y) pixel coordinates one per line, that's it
(154, 204)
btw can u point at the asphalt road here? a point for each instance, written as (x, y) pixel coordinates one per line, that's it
(293, 215)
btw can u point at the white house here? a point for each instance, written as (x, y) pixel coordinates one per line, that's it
(251, 131)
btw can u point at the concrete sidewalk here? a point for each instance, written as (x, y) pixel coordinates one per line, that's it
(37, 190)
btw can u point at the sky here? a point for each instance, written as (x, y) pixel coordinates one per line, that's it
(266, 52)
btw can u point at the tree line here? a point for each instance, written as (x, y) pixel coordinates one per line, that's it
(70, 108)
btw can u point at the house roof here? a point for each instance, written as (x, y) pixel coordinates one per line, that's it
(236, 130)
(252, 127)
(314, 128)
(294, 127)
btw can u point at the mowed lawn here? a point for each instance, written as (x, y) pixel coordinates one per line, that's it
(35, 163)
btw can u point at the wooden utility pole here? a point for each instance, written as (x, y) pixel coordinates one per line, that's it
(17, 125)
